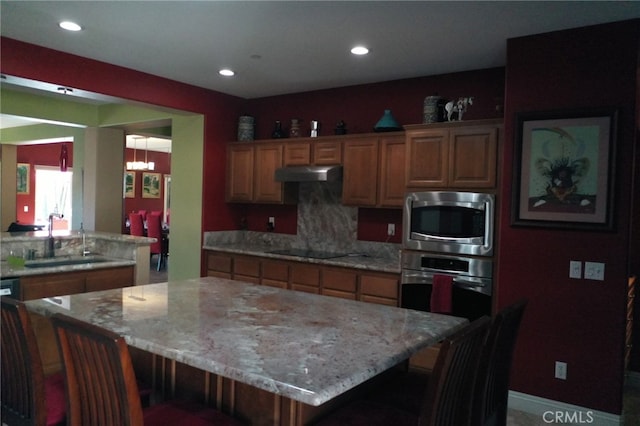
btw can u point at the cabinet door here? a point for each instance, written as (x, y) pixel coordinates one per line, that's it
(427, 154)
(219, 265)
(39, 286)
(379, 288)
(239, 187)
(267, 159)
(275, 274)
(327, 153)
(297, 153)
(392, 186)
(339, 282)
(360, 178)
(246, 269)
(473, 157)
(305, 278)
(107, 279)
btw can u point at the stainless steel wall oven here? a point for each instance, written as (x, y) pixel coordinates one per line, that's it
(472, 285)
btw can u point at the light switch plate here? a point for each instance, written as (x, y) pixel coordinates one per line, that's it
(575, 269)
(594, 271)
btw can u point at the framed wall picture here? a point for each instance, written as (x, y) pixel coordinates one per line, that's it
(23, 171)
(563, 169)
(151, 185)
(129, 184)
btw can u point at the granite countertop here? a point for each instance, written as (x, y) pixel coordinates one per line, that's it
(53, 265)
(64, 235)
(307, 347)
(356, 260)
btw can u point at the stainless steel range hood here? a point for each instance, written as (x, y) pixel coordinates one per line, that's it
(309, 174)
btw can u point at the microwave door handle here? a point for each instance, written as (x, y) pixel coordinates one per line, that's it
(431, 237)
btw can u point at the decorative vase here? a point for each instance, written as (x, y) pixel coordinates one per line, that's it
(387, 123)
(277, 133)
(431, 109)
(294, 130)
(246, 128)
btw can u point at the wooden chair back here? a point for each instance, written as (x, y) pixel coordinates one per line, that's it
(154, 230)
(136, 225)
(101, 383)
(451, 385)
(492, 386)
(22, 375)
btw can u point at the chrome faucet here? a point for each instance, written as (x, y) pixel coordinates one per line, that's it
(51, 242)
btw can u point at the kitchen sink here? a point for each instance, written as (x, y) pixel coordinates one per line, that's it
(68, 261)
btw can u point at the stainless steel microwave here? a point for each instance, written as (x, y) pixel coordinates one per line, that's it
(449, 222)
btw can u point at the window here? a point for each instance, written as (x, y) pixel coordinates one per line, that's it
(53, 195)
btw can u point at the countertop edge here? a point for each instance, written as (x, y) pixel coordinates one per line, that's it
(355, 261)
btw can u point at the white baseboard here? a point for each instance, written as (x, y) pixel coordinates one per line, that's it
(551, 411)
(633, 379)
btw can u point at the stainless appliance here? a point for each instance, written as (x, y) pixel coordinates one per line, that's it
(10, 287)
(449, 222)
(471, 287)
(309, 174)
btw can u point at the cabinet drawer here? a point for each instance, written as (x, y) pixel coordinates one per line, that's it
(272, 270)
(246, 266)
(339, 279)
(379, 285)
(379, 300)
(218, 262)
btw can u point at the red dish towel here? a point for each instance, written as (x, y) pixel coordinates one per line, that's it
(441, 294)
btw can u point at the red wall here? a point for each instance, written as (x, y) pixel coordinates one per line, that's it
(41, 155)
(580, 322)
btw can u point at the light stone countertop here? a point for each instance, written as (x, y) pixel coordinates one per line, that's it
(307, 347)
(7, 270)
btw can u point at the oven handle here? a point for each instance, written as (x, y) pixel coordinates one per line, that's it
(468, 283)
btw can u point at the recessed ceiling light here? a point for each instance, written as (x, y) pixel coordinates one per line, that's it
(359, 50)
(69, 26)
(226, 72)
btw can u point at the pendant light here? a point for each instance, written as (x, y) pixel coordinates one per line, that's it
(64, 158)
(140, 165)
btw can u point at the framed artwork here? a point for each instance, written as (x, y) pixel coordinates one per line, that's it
(563, 169)
(22, 178)
(151, 185)
(129, 184)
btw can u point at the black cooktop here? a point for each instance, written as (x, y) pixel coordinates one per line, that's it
(313, 254)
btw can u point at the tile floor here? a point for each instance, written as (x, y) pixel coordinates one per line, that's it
(515, 418)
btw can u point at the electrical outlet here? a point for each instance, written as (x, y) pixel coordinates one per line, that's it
(26, 209)
(575, 269)
(594, 271)
(561, 370)
(391, 229)
(272, 221)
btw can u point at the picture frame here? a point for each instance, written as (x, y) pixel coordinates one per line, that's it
(151, 185)
(23, 178)
(129, 189)
(563, 169)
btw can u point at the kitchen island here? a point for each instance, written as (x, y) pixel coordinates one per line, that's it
(301, 351)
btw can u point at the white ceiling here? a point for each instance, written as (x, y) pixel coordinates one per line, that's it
(279, 47)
